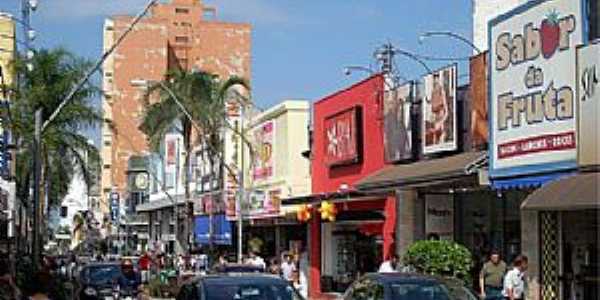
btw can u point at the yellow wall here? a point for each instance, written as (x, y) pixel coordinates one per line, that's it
(7, 49)
(291, 170)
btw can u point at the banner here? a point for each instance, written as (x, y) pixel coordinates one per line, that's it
(588, 78)
(479, 100)
(264, 136)
(439, 111)
(342, 138)
(397, 123)
(171, 151)
(532, 87)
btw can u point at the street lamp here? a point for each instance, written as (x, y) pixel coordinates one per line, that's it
(450, 34)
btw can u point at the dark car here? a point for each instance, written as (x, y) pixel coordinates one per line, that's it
(238, 268)
(102, 280)
(407, 286)
(238, 287)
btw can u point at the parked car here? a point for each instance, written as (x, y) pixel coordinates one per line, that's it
(240, 286)
(407, 286)
(103, 281)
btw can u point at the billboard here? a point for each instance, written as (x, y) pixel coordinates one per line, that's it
(588, 101)
(397, 134)
(479, 102)
(7, 54)
(342, 137)
(532, 87)
(263, 137)
(439, 111)
(264, 203)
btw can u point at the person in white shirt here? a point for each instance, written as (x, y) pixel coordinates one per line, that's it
(255, 260)
(391, 265)
(287, 268)
(514, 281)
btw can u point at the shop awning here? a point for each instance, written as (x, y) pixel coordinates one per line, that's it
(221, 230)
(573, 192)
(421, 173)
(160, 203)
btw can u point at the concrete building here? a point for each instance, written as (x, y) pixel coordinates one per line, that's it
(177, 34)
(483, 12)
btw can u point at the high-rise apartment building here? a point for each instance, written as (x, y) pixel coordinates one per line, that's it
(178, 34)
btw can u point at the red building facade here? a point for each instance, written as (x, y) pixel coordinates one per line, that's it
(348, 146)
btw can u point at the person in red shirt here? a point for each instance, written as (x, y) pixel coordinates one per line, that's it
(145, 266)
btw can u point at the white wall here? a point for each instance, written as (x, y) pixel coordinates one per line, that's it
(483, 12)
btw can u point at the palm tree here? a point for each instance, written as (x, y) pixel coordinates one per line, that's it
(204, 96)
(63, 147)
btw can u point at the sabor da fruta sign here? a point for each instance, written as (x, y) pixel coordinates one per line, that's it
(533, 87)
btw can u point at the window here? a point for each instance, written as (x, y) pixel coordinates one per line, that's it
(107, 143)
(594, 19)
(367, 289)
(64, 211)
(108, 74)
(181, 39)
(180, 10)
(106, 166)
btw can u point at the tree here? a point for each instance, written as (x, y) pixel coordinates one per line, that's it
(64, 149)
(204, 96)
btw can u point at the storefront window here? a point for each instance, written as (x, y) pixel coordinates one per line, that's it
(594, 19)
(487, 220)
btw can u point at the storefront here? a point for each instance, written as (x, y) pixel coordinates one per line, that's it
(350, 232)
(276, 171)
(543, 134)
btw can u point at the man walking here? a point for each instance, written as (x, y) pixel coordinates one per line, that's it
(490, 278)
(391, 265)
(514, 281)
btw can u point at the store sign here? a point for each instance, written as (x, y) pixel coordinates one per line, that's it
(588, 86)
(342, 137)
(397, 123)
(532, 87)
(479, 100)
(264, 136)
(439, 111)
(439, 217)
(264, 203)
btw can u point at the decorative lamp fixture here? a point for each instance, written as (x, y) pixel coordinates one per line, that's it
(328, 211)
(304, 213)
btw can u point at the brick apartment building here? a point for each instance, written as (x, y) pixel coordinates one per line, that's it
(179, 34)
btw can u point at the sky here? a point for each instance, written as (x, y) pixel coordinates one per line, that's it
(299, 48)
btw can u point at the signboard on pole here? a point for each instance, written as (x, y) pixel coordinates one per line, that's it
(532, 73)
(439, 111)
(588, 101)
(264, 136)
(397, 123)
(114, 206)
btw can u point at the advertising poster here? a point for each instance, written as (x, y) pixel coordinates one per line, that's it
(341, 138)
(588, 78)
(171, 151)
(439, 217)
(264, 136)
(479, 100)
(397, 123)
(532, 88)
(439, 111)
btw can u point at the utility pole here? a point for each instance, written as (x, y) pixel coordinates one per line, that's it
(37, 172)
(241, 196)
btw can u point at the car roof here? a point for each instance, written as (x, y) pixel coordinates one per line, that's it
(102, 264)
(242, 278)
(402, 277)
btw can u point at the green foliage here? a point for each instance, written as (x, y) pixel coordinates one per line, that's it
(442, 258)
(64, 150)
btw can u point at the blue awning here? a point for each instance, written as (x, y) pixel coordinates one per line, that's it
(221, 230)
(526, 182)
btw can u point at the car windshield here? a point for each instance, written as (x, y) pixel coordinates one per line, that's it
(232, 291)
(419, 291)
(102, 274)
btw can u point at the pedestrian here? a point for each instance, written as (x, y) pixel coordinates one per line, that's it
(391, 265)
(221, 263)
(491, 277)
(39, 287)
(274, 267)
(302, 273)
(8, 288)
(255, 260)
(514, 282)
(288, 267)
(299, 284)
(145, 267)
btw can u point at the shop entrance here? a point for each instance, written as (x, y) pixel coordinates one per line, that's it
(580, 265)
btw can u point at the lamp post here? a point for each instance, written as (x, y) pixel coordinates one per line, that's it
(452, 35)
